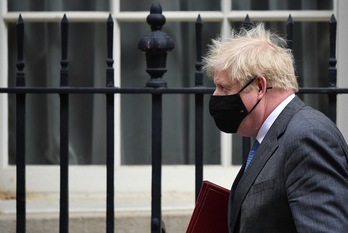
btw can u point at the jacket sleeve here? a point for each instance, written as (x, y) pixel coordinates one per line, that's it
(317, 179)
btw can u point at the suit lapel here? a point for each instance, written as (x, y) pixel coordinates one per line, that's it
(269, 145)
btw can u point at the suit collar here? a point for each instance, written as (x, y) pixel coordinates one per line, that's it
(243, 182)
(272, 117)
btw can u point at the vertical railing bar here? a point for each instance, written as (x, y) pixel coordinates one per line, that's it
(246, 141)
(20, 132)
(332, 69)
(199, 109)
(290, 32)
(156, 44)
(64, 131)
(156, 205)
(110, 125)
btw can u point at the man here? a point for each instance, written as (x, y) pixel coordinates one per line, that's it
(297, 180)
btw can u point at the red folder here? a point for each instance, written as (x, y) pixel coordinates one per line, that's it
(210, 212)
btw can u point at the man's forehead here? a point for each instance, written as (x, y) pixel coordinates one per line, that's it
(222, 77)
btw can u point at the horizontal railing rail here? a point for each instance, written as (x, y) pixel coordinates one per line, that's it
(141, 90)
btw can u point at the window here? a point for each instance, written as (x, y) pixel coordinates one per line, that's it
(87, 68)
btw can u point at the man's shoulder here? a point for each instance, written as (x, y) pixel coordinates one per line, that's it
(306, 114)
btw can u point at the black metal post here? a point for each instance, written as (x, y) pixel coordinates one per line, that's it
(199, 108)
(247, 24)
(110, 147)
(156, 185)
(155, 45)
(290, 32)
(20, 131)
(64, 131)
(332, 69)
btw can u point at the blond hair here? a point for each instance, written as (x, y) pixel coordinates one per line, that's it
(251, 53)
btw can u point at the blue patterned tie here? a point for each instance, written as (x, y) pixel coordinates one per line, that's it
(251, 153)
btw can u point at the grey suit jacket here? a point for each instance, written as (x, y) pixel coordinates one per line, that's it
(297, 180)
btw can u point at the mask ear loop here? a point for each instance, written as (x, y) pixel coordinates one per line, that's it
(267, 88)
(255, 106)
(246, 85)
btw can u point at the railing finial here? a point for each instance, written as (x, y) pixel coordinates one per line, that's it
(156, 44)
(290, 32)
(156, 19)
(64, 49)
(199, 73)
(332, 59)
(110, 61)
(20, 81)
(247, 24)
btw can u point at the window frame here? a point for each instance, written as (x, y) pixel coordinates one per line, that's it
(94, 181)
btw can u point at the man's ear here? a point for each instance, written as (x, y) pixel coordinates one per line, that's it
(261, 83)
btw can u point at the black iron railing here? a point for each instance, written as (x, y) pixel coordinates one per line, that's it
(155, 45)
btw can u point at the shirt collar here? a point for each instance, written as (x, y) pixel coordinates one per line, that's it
(272, 117)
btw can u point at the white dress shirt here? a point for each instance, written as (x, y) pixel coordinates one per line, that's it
(271, 118)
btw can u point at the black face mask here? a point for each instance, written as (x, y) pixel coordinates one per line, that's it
(229, 111)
